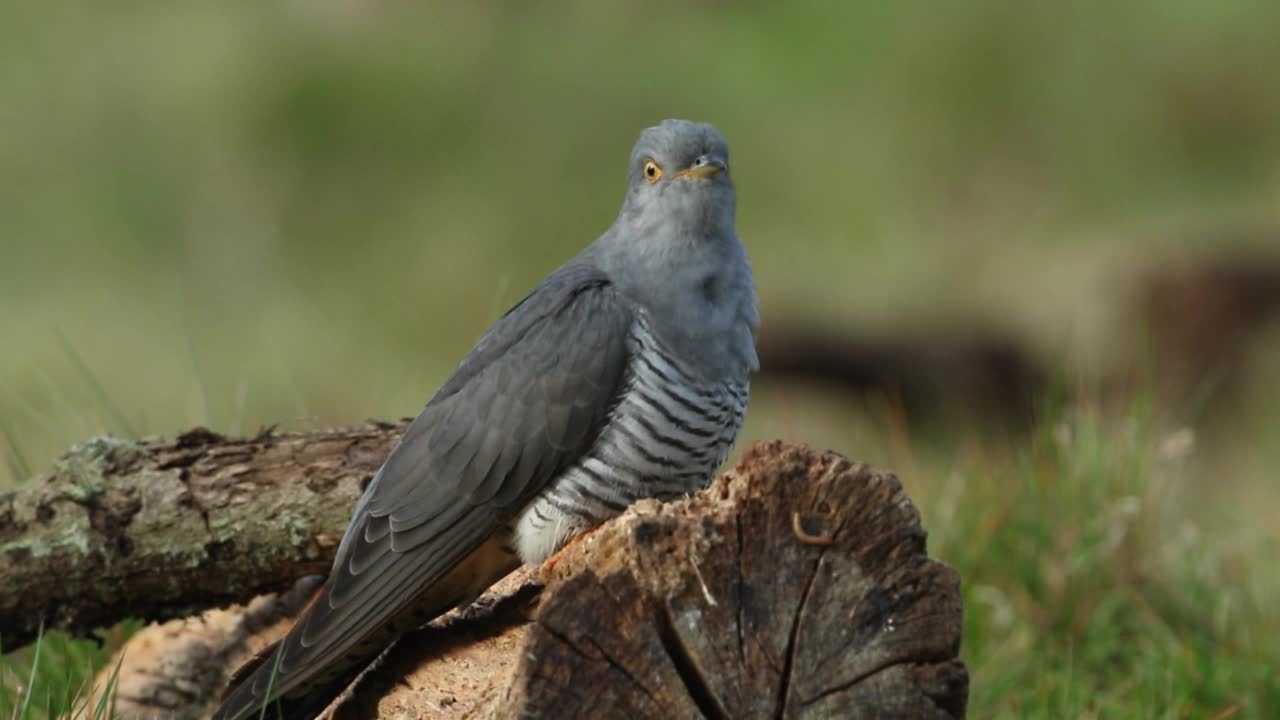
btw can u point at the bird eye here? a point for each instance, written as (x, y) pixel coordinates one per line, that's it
(652, 172)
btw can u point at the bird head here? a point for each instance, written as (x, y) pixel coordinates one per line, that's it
(678, 181)
(674, 250)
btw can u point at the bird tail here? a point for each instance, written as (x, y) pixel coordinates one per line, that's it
(258, 689)
(290, 689)
(253, 690)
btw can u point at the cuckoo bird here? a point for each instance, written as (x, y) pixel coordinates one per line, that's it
(623, 375)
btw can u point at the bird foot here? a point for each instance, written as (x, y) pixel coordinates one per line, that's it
(549, 565)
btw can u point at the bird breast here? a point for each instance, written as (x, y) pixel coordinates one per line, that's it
(666, 437)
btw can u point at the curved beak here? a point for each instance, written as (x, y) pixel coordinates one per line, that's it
(704, 168)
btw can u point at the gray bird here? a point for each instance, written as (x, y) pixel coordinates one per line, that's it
(623, 375)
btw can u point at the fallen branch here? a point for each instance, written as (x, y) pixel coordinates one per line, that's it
(158, 529)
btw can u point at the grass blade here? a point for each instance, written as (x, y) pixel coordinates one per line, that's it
(106, 706)
(31, 680)
(271, 681)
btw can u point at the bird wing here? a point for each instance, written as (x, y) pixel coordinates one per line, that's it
(523, 406)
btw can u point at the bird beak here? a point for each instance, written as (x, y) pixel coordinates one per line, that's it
(704, 168)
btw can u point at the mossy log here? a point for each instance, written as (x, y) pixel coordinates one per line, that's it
(160, 529)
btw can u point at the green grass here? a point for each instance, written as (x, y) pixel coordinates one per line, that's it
(1090, 593)
(58, 681)
(248, 214)
(1108, 569)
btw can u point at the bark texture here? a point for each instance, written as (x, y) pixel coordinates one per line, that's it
(174, 670)
(159, 529)
(796, 586)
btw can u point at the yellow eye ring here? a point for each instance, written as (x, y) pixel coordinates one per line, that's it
(652, 172)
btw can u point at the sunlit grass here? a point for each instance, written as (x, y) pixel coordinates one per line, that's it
(1089, 590)
(1110, 567)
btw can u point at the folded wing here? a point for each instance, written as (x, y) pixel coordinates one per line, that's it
(524, 405)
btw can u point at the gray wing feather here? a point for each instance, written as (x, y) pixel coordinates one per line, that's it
(525, 404)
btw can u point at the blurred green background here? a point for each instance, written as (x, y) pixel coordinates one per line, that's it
(304, 213)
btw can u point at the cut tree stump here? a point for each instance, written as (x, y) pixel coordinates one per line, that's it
(796, 586)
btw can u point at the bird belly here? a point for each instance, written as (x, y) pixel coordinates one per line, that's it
(668, 434)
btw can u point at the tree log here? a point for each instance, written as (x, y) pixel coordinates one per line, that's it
(158, 529)
(796, 586)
